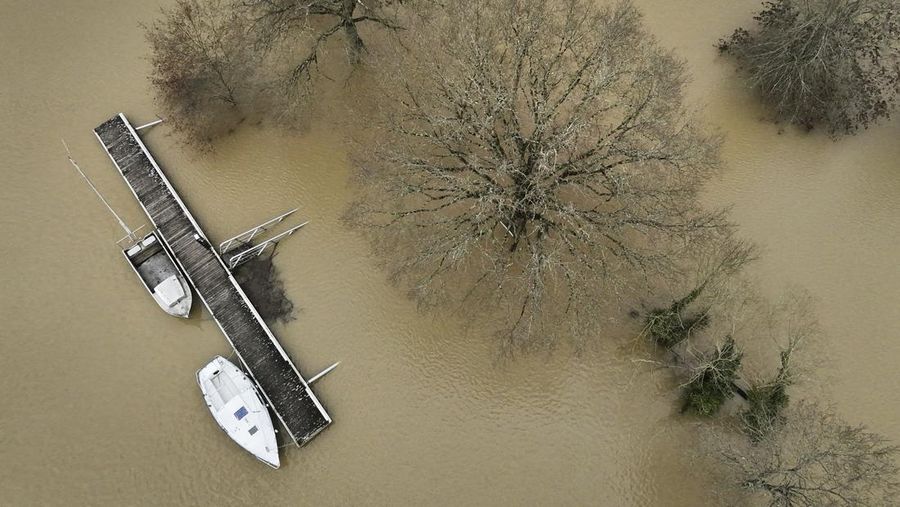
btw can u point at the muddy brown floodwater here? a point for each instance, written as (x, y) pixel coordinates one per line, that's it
(101, 405)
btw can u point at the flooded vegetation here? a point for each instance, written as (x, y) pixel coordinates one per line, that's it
(687, 371)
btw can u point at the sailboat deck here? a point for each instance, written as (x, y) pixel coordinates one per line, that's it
(288, 394)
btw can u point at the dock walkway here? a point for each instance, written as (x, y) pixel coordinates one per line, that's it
(287, 393)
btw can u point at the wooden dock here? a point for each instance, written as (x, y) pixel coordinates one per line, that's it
(286, 391)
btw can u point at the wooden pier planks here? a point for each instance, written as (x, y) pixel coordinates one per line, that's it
(288, 394)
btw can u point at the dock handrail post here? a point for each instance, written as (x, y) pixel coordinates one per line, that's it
(244, 256)
(157, 121)
(322, 373)
(245, 237)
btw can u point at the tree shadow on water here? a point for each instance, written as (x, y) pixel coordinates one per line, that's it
(261, 282)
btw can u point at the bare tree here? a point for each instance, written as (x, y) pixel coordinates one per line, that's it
(532, 155)
(315, 22)
(202, 63)
(829, 62)
(813, 459)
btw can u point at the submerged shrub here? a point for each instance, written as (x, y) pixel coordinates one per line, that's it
(670, 326)
(766, 403)
(765, 406)
(711, 384)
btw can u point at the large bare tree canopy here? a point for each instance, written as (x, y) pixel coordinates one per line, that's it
(534, 155)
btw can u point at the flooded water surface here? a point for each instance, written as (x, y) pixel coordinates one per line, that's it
(101, 403)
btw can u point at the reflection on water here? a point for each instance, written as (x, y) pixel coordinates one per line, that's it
(102, 405)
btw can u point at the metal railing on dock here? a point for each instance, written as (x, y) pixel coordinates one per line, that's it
(279, 380)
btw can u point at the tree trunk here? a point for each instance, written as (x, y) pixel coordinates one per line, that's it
(517, 227)
(355, 44)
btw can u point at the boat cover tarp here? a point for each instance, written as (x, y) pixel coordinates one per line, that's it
(170, 291)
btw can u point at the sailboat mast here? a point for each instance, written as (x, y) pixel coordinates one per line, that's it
(91, 184)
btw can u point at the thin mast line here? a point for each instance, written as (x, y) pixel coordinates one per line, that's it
(91, 184)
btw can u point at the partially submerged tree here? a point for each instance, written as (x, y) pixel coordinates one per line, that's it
(534, 161)
(722, 303)
(811, 459)
(834, 63)
(202, 62)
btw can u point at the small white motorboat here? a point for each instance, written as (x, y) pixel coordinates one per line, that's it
(151, 261)
(161, 277)
(236, 405)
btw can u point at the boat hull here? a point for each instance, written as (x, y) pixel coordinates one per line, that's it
(236, 406)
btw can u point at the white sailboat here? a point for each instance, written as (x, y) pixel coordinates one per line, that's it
(236, 405)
